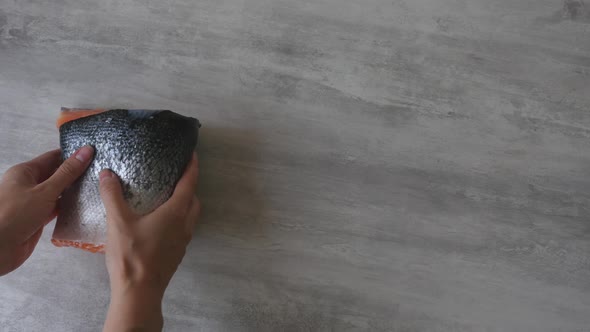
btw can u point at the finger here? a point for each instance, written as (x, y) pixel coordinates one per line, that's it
(34, 171)
(190, 220)
(196, 160)
(32, 242)
(112, 197)
(188, 181)
(185, 188)
(43, 166)
(193, 214)
(52, 216)
(69, 171)
(25, 250)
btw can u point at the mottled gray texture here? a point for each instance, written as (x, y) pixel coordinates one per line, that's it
(405, 165)
(147, 150)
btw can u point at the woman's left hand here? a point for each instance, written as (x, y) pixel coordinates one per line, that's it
(28, 201)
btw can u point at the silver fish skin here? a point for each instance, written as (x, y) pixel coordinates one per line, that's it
(147, 149)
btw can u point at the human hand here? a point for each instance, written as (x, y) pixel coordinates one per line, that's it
(28, 201)
(143, 252)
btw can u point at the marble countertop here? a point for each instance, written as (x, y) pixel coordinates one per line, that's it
(365, 165)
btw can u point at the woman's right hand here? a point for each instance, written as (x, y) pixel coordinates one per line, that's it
(143, 252)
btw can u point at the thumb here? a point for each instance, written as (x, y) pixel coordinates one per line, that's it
(112, 195)
(69, 171)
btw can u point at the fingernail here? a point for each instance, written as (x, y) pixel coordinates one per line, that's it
(84, 154)
(105, 174)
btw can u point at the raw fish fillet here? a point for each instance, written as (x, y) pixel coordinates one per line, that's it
(149, 151)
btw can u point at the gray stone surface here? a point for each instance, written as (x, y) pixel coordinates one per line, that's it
(417, 165)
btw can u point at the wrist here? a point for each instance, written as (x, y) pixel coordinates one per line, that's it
(135, 308)
(131, 287)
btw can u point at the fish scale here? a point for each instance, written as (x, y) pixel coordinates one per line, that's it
(147, 149)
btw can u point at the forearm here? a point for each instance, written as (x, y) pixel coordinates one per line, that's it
(136, 309)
